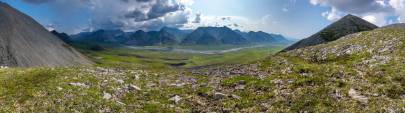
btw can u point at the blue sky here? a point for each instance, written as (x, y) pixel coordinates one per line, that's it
(292, 18)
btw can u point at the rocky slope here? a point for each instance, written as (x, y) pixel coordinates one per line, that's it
(347, 25)
(63, 36)
(25, 43)
(361, 72)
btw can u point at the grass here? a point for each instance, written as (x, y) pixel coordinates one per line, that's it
(165, 59)
(239, 57)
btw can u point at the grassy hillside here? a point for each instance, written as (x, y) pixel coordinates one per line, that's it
(363, 72)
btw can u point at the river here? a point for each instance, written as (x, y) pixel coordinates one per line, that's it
(207, 52)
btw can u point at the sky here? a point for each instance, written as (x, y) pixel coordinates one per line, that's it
(292, 18)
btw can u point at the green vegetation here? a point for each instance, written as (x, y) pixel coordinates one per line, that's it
(167, 59)
(328, 35)
(238, 57)
(364, 72)
(321, 80)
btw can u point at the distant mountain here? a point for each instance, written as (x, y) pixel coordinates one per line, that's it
(179, 34)
(217, 35)
(139, 38)
(399, 25)
(101, 36)
(173, 36)
(26, 43)
(142, 38)
(347, 25)
(262, 37)
(63, 36)
(100, 39)
(161, 38)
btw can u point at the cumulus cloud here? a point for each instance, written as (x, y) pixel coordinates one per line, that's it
(197, 18)
(375, 11)
(399, 6)
(354, 6)
(128, 15)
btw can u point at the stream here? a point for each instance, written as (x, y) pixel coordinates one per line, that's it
(207, 52)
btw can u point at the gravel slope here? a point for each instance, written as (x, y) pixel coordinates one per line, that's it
(25, 43)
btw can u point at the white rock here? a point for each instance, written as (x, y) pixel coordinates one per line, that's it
(178, 85)
(176, 99)
(236, 96)
(120, 81)
(240, 87)
(218, 95)
(136, 77)
(133, 87)
(79, 85)
(278, 82)
(151, 84)
(107, 96)
(120, 103)
(59, 88)
(356, 96)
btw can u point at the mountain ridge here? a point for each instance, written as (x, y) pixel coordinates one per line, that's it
(345, 26)
(174, 36)
(224, 35)
(26, 43)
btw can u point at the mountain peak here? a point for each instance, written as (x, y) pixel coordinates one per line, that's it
(140, 31)
(36, 48)
(224, 35)
(226, 27)
(350, 16)
(347, 25)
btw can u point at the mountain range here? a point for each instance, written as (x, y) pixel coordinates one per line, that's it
(175, 36)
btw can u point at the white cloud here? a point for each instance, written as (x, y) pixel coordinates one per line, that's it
(315, 2)
(375, 11)
(399, 6)
(128, 15)
(332, 15)
(378, 19)
(187, 2)
(370, 18)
